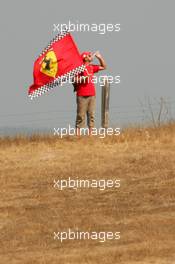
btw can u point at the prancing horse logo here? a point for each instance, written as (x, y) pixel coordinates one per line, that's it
(49, 64)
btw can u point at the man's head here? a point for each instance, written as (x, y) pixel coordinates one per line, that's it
(87, 56)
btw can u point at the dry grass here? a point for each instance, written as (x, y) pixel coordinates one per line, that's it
(143, 209)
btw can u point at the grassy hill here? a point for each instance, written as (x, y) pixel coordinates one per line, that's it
(142, 209)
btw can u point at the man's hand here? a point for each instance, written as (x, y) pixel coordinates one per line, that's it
(101, 60)
(98, 55)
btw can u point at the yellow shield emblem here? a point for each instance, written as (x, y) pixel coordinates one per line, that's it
(49, 65)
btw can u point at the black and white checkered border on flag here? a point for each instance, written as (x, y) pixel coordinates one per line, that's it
(47, 87)
(60, 35)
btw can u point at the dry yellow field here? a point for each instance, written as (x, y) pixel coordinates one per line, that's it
(142, 209)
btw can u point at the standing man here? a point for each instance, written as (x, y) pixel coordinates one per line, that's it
(86, 93)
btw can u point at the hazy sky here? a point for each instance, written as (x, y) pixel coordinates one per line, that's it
(142, 53)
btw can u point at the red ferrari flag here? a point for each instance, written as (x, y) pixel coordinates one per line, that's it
(58, 62)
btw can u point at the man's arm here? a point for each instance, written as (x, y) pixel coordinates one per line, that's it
(101, 60)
